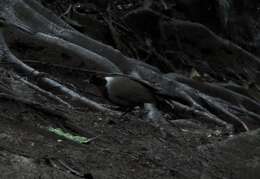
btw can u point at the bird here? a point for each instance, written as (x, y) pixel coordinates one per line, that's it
(123, 91)
(4, 23)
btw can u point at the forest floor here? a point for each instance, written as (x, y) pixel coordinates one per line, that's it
(121, 148)
(125, 148)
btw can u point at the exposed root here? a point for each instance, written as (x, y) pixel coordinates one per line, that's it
(191, 99)
(44, 92)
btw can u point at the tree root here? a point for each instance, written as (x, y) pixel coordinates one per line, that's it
(202, 101)
(19, 65)
(44, 92)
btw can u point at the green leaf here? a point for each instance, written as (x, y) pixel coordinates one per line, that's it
(78, 139)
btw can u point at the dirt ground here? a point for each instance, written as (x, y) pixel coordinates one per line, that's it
(124, 148)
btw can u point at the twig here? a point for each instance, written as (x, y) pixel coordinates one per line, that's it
(190, 112)
(67, 11)
(18, 64)
(146, 83)
(164, 4)
(48, 110)
(71, 170)
(60, 165)
(220, 111)
(44, 92)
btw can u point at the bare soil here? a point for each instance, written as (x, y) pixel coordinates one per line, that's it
(124, 148)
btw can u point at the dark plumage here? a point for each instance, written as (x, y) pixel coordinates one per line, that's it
(123, 91)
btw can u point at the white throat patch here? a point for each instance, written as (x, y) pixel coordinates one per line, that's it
(109, 80)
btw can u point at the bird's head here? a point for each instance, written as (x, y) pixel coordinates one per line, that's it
(97, 80)
(100, 82)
